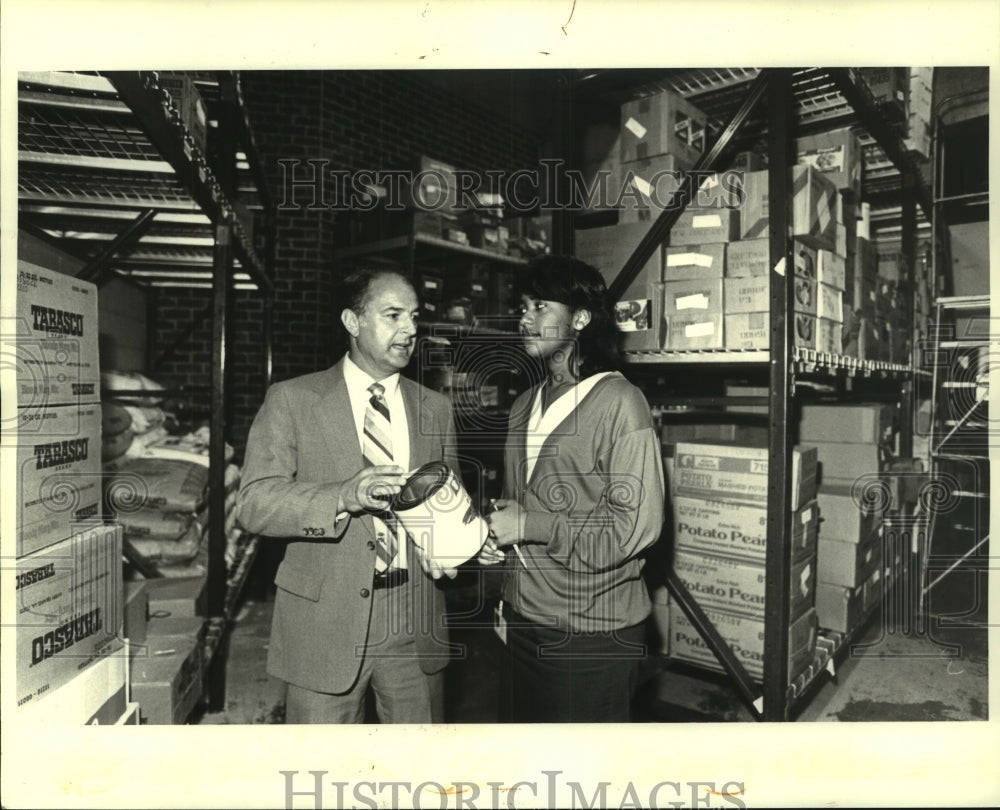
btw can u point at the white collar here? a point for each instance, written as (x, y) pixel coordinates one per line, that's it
(358, 379)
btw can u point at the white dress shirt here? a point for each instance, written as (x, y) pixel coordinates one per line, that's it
(358, 382)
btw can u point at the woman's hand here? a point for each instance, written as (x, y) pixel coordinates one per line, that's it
(489, 554)
(506, 523)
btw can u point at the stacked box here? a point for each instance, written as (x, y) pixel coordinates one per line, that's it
(848, 564)
(745, 635)
(747, 301)
(167, 678)
(739, 530)
(889, 86)
(728, 584)
(842, 609)
(837, 154)
(814, 203)
(692, 314)
(662, 124)
(68, 611)
(720, 533)
(58, 480)
(739, 474)
(865, 423)
(694, 261)
(853, 496)
(647, 186)
(918, 137)
(51, 335)
(698, 226)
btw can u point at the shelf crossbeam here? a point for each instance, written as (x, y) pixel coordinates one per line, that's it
(96, 269)
(175, 148)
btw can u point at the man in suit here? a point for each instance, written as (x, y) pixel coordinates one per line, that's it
(357, 606)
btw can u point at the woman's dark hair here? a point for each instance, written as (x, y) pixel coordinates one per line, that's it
(580, 286)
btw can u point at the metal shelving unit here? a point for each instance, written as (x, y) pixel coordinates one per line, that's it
(745, 106)
(109, 171)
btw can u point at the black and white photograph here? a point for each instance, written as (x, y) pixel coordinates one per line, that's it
(441, 404)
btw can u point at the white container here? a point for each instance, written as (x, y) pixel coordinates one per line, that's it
(438, 513)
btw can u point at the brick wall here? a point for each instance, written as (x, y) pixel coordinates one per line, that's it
(354, 120)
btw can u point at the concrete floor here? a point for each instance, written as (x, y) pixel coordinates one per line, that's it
(895, 671)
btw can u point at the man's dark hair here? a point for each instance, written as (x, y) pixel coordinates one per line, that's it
(354, 286)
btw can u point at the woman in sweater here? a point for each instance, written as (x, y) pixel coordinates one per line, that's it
(582, 500)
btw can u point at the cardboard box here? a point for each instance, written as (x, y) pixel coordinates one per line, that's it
(720, 190)
(50, 337)
(692, 314)
(167, 681)
(608, 249)
(847, 564)
(68, 610)
(745, 635)
(843, 518)
(738, 530)
(111, 711)
(837, 154)
(739, 474)
(813, 199)
(694, 261)
(819, 334)
(733, 585)
(751, 330)
(830, 303)
(646, 187)
(178, 596)
(747, 161)
(839, 608)
(748, 257)
(889, 87)
(754, 295)
(844, 464)
(864, 423)
(693, 330)
(712, 431)
(831, 269)
(735, 390)
(79, 700)
(434, 187)
(697, 295)
(58, 473)
(698, 226)
(662, 124)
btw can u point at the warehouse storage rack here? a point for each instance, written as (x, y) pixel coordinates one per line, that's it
(958, 352)
(746, 106)
(111, 171)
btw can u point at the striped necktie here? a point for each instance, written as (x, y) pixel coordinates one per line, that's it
(377, 450)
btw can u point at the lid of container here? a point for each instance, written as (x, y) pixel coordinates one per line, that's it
(421, 486)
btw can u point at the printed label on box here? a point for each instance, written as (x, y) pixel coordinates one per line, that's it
(69, 609)
(634, 316)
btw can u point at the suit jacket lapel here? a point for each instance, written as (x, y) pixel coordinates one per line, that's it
(336, 422)
(420, 424)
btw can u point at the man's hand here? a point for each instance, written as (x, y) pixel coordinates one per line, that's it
(370, 489)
